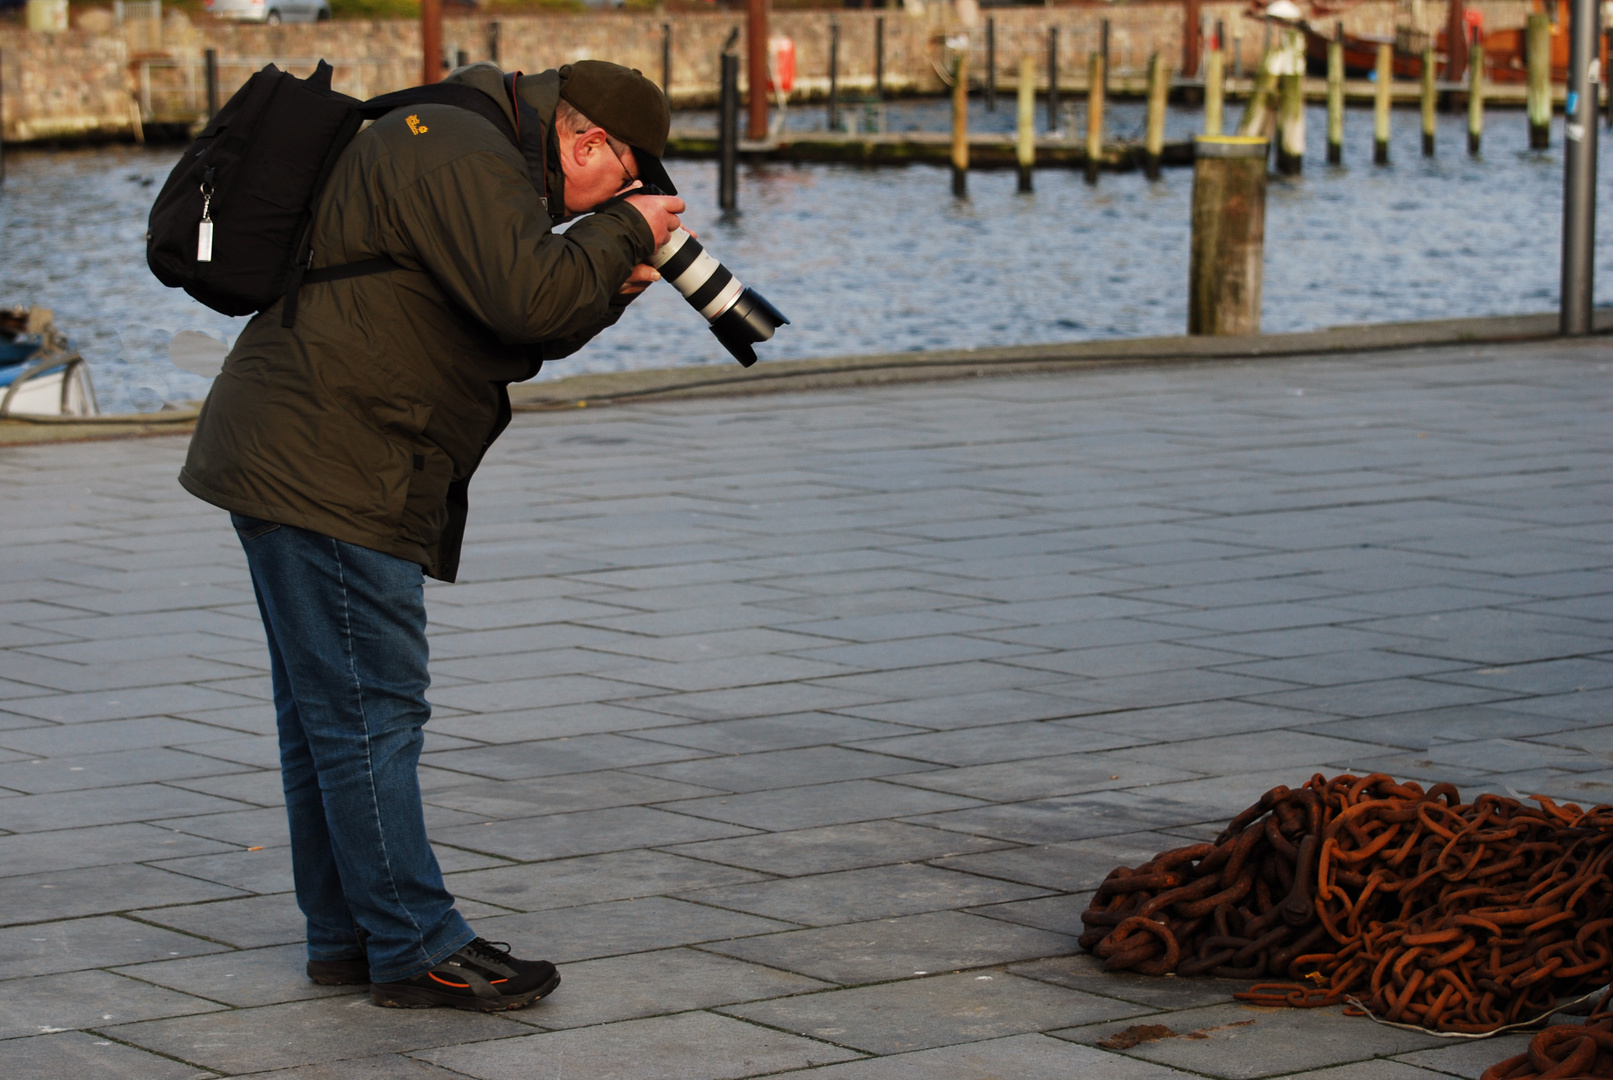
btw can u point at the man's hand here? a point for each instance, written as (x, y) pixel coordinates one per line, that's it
(660, 212)
(644, 275)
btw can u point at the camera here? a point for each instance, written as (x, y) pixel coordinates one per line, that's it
(739, 315)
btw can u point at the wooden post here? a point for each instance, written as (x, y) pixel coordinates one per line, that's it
(1380, 105)
(1579, 171)
(666, 60)
(1053, 78)
(461, 58)
(210, 68)
(834, 76)
(1335, 98)
(492, 41)
(1095, 96)
(430, 41)
(1025, 143)
(1214, 91)
(1455, 42)
(879, 58)
(728, 135)
(1229, 234)
(991, 65)
(1291, 108)
(1190, 37)
(1260, 110)
(1159, 89)
(1429, 102)
(960, 127)
(756, 69)
(1538, 41)
(1475, 99)
(2, 117)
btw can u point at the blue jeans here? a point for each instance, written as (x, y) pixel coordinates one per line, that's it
(347, 649)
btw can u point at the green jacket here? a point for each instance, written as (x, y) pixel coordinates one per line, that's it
(365, 421)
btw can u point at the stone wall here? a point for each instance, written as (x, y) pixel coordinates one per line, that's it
(82, 82)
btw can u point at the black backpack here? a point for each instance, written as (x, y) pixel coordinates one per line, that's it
(231, 225)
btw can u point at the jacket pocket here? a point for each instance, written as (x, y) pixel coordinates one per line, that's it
(250, 528)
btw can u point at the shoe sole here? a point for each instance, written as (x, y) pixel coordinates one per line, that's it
(399, 996)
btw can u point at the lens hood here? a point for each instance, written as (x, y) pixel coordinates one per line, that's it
(751, 319)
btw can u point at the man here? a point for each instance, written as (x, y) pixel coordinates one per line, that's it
(343, 448)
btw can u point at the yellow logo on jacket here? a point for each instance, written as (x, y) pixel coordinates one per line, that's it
(415, 125)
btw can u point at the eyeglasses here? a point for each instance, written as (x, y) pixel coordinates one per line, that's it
(628, 179)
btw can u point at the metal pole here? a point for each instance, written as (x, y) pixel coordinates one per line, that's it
(834, 76)
(991, 65)
(879, 58)
(1053, 78)
(430, 41)
(728, 135)
(756, 46)
(1103, 50)
(666, 60)
(1579, 169)
(212, 82)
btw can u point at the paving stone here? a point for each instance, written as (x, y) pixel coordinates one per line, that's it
(551, 757)
(968, 710)
(560, 722)
(783, 768)
(916, 1014)
(380, 1067)
(587, 832)
(563, 935)
(1079, 817)
(248, 923)
(1468, 1057)
(1242, 1042)
(100, 941)
(40, 776)
(1044, 777)
(617, 875)
(1370, 1070)
(859, 895)
(265, 871)
(1073, 867)
(836, 847)
(73, 1055)
(115, 704)
(105, 806)
(34, 853)
(774, 733)
(497, 799)
(87, 999)
(1023, 1057)
(99, 890)
(657, 984)
(139, 733)
(1081, 971)
(303, 1032)
(820, 804)
(897, 948)
(1060, 914)
(691, 1046)
(248, 977)
(1002, 742)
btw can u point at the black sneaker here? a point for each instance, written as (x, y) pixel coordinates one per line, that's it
(355, 972)
(482, 976)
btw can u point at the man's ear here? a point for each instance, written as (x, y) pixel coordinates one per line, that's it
(587, 144)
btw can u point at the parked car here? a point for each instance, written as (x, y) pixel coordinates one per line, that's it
(273, 12)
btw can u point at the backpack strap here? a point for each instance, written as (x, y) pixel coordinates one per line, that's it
(459, 96)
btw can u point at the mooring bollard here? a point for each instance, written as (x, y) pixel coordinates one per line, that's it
(834, 76)
(1159, 89)
(1259, 110)
(1335, 97)
(492, 40)
(1475, 98)
(210, 73)
(960, 127)
(1429, 101)
(991, 65)
(1579, 171)
(1229, 234)
(666, 60)
(1291, 118)
(1385, 73)
(879, 58)
(1025, 141)
(1538, 42)
(1053, 78)
(461, 58)
(728, 135)
(1214, 90)
(1095, 105)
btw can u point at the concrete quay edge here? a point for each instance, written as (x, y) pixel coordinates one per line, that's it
(838, 372)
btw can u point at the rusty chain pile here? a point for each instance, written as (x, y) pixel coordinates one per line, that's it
(1421, 909)
(1564, 1050)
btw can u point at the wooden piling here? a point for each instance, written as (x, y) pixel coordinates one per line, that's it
(1475, 98)
(1025, 144)
(991, 65)
(1053, 78)
(960, 127)
(666, 60)
(1260, 110)
(1159, 89)
(1538, 42)
(210, 72)
(1429, 102)
(493, 36)
(728, 135)
(1335, 98)
(1380, 106)
(461, 58)
(834, 76)
(1226, 266)
(1291, 111)
(1214, 91)
(430, 41)
(1095, 104)
(879, 58)
(756, 56)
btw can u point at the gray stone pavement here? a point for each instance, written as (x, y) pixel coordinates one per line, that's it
(798, 728)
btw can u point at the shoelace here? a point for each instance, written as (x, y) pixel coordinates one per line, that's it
(496, 951)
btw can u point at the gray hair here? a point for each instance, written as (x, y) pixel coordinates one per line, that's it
(571, 118)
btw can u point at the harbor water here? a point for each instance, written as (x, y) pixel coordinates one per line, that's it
(875, 260)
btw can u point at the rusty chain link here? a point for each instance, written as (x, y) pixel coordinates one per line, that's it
(1417, 907)
(1564, 1050)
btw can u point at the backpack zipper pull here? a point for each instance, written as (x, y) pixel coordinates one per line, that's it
(204, 231)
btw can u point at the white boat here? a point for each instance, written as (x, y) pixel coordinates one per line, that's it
(40, 373)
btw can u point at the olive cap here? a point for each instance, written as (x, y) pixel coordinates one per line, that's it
(628, 106)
